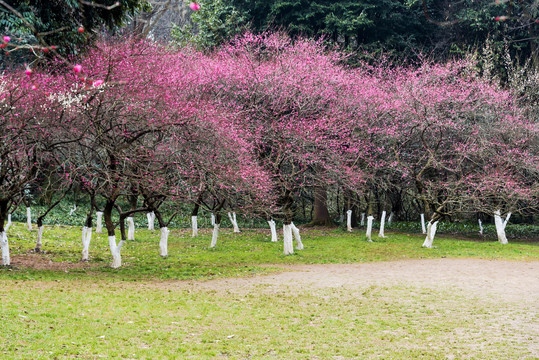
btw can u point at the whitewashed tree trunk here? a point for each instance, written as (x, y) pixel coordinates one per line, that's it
(163, 242)
(273, 229)
(297, 236)
(431, 232)
(73, 209)
(86, 239)
(29, 218)
(423, 229)
(130, 228)
(390, 218)
(362, 223)
(212, 221)
(232, 218)
(480, 226)
(382, 225)
(349, 220)
(500, 226)
(194, 225)
(39, 238)
(369, 227)
(8, 222)
(116, 252)
(287, 239)
(214, 235)
(151, 220)
(99, 226)
(5, 249)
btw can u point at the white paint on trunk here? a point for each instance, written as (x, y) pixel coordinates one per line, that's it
(362, 219)
(39, 238)
(431, 232)
(214, 235)
(390, 218)
(297, 236)
(349, 220)
(5, 249)
(273, 229)
(130, 228)
(423, 229)
(287, 239)
(194, 225)
(212, 221)
(29, 218)
(73, 209)
(382, 225)
(8, 222)
(370, 218)
(480, 226)
(232, 218)
(163, 242)
(500, 226)
(116, 252)
(151, 220)
(86, 239)
(99, 226)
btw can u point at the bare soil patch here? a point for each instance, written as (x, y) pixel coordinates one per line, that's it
(41, 261)
(502, 280)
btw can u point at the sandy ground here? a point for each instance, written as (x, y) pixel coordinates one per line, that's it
(510, 281)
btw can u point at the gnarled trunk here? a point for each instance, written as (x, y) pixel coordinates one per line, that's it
(321, 214)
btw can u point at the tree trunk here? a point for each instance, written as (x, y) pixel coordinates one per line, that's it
(151, 220)
(273, 230)
(321, 214)
(423, 229)
(382, 224)
(216, 226)
(99, 225)
(233, 220)
(163, 242)
(349, 220)
(431, 232)
(297, 236)
(86, 239)
(4, 244)
(368, 233)
(130, 228)
(500, 226)
(29, 218)
(194, 220)
(287, 239)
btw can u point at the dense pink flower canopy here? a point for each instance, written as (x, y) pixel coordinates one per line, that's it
(265, 117)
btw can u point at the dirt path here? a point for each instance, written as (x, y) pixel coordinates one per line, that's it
(503, 280)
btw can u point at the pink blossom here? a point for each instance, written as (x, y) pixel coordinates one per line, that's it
(98, 83)
(194, 6)
(7, 38)
(77, 68)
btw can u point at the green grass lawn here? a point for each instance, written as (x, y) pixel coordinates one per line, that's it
(131, 313)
